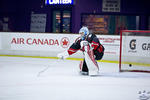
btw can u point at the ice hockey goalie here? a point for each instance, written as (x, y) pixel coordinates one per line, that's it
(92, 50)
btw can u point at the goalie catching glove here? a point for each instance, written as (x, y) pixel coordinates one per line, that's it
(63, 55)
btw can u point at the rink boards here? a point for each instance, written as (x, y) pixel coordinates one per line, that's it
(49, 45)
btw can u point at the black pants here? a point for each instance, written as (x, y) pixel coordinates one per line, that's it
(98, 56)
(84, 68)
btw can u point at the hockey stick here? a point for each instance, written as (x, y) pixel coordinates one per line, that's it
(42, 71)
(48, 66)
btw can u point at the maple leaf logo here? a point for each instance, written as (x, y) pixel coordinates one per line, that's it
(65, 42)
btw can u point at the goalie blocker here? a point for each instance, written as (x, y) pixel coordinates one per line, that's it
(92, 49)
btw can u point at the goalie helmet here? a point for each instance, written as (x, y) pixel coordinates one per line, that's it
(84, 31)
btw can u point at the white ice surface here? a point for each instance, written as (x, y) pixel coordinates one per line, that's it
(19, 80)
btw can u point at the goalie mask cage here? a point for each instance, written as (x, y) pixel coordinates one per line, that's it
(134, 51)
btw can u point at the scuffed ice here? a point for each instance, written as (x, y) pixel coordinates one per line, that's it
(19, 80)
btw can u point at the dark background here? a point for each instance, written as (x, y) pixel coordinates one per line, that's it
(19, 12)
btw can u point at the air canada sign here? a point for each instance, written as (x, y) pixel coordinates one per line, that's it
(34, 41)
(64, 42)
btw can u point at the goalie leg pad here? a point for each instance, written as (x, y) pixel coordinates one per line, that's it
(90, 61)
(83, 68)
(81, 65)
